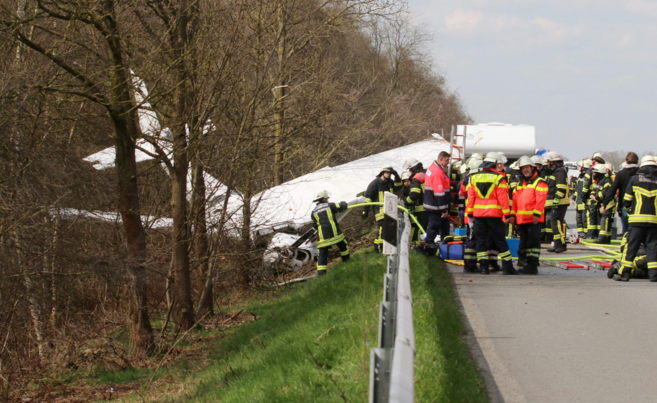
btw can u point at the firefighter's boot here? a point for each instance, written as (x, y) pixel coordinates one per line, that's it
(652, 275)
(507, 268)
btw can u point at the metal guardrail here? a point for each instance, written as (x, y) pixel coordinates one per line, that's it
(392, 362)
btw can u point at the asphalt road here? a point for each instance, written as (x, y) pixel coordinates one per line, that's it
(562, 336)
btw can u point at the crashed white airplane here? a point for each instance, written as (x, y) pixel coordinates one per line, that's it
(288, 206)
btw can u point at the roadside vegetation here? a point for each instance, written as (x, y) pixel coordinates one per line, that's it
(311, 342)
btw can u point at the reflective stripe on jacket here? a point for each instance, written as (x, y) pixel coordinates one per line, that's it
(437, 193)
(641, 199)
(324, 219)
(529, 200)
(488, 195)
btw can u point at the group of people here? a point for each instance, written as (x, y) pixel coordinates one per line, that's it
(527, 199)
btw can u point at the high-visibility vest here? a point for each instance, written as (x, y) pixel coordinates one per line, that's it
(529, 200)
(488, 195)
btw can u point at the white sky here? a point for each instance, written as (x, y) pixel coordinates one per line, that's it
(584, 72)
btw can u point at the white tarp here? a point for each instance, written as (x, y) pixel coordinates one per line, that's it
(292, 202)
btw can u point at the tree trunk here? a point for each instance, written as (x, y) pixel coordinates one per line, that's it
(279, 91)
(201, 246)
(141, 332)
(183, 312)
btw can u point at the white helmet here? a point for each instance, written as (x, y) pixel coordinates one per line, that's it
(491, 157)
(406, 175)
(586, 163)
(410, 163)
(647, 160)
(538, 160)
(553, 156)
(322, 194)
(515, 166)
(474, 163)
(524, 161)
(600, 169)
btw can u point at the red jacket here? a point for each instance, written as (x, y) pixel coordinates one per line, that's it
(529, 200)
(488, 195)
(437, 190)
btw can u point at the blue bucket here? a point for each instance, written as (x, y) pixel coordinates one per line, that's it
(513, 244)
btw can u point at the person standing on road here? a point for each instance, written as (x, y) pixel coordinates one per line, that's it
(580, 201)
(437, 198)
(488, 205)
(528, 213)
(641, 202)
(324, 219)
(617, 189)
(560, 201)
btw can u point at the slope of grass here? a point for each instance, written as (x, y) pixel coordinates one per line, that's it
(311, 343)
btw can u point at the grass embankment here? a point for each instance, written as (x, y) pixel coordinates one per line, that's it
(312, 343)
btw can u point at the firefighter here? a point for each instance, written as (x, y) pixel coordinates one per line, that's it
(469, 247)
(488, 205)
(628, 170)
(528, 213)
(386, 181)
(641, 202)
(580, 201)
(436, 200)
(539, 162)
(547, 175)
(598, 172)
(558, 196)
(454, 182)
(325, 222)
(639, 267)
(416, 193)
(606, 205)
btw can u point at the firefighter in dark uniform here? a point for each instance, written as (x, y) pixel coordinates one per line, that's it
(328, 230)
(641, 202)
(580, 201)
(488, 205)
(548, 176)
(528, 212)
(592, 211)
(415, 195)
(386, 181)
(560, 201)
(606, 205)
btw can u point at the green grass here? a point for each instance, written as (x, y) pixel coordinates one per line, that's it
(312, 342)
(444, 369)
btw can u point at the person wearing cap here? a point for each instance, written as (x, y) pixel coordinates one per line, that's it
(488, 205)
(558, 196)
(325, 222)
(580, 201)
(382, 183)
(629, 169)
(528, 213)
(436, 200)
(416, 195)
(641, 202)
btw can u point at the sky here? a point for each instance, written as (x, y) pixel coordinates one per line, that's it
(583, 72)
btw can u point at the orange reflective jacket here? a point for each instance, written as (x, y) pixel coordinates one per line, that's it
(529, 200)
(488, 195)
